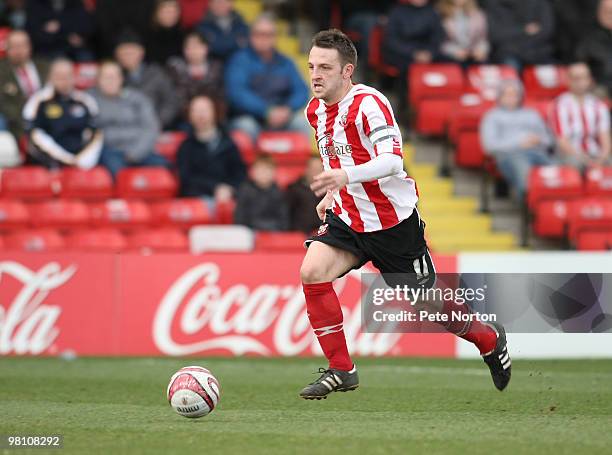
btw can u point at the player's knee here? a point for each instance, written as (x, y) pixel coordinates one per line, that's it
(310, 274)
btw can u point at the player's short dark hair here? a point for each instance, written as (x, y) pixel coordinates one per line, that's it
(335, 39)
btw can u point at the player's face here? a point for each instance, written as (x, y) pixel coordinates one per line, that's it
(327, 76)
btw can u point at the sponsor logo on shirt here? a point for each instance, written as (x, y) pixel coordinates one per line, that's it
(332, 149)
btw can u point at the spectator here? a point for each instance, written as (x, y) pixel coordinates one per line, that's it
(149, 78)
(301, 200)
(209, 163)
(260, 203)
(61, 122)
(165, 36)
(263, 87)
(414, 34)
(466, 31)
(194, 73)
(20, 77)
(596, 48)
(128, 121)
(60, 28)
(575, 18)
(13, 14)
(515, 136)
(115, 17)
(224, 29)
(581, 122)
(521, 32)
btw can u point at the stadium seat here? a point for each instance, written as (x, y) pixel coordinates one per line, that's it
(589, 214)
(594, 241)
(545, 81)
(97, 240)
(553, 182)
(550, 219)
(161, 239)
(286, 175)
(180, 212)
(60, 214)
(4, 33)
(146, 183)
(463, 130)
(13, 214)
(29, 183)
(286, 147)
(192, 12)
(485, 79)
(375, 58)
(434, 90)
(93, 184)
(205, 239)
(245, 145)
(35, 240)
(225, 212)
(168, 143)
(279, 241)
(121, 213)
(85, 75)
(598, 181)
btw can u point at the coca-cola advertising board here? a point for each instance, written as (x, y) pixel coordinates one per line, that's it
(178, 305)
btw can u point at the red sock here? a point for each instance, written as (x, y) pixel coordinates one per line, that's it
(325, 317)
(482, 335)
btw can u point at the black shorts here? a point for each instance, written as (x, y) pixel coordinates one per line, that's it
(400, 249)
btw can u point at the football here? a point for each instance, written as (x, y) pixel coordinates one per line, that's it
(193, 392)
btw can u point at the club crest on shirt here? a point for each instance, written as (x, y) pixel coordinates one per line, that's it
(323, 229)
(332, 149)
(343, 119)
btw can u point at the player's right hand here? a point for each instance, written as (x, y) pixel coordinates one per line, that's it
(325, 203)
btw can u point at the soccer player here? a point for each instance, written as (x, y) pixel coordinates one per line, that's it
(368, 212)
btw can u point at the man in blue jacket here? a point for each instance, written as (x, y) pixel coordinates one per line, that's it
(264, 88)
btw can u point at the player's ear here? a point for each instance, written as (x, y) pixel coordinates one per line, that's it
(347, 71)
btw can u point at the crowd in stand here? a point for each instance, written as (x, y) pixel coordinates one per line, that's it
(216, 74)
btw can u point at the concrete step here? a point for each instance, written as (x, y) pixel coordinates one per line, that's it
(462, 243)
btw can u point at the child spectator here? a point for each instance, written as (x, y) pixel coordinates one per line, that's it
(260, 203)
(129, 123)
(515, 136)
(301, 200)
(466, 31)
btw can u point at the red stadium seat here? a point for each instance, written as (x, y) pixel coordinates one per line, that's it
(28, 183)
(181, 212)
(4, 33)
(550, 219)
(279, 241)
(464, 127)
(121, 213)
(545, 81)
(594, 241)
(97, 240)
(599, 181)
(146, 183)
(286, 175)
(60, 214)
(85, 75)
(13, 214)
(434, 90)
(553, 182)
(375, 58)
(192, 12)
(589, 214)
(35, 240)
(162, 239)
(485, 79)
(286, 147)
(93, 184)
(225, 212)
(245, 145)
(168, 143)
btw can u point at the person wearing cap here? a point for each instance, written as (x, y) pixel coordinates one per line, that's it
(148, 78)
(515, 136)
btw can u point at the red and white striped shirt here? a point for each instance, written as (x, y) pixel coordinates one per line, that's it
(581, 123)
(352, 132)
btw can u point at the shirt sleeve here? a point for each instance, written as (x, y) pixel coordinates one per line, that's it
(380, 127)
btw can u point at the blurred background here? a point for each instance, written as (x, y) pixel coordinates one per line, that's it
(141, 141)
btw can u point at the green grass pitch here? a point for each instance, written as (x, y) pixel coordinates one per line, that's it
(116, 406)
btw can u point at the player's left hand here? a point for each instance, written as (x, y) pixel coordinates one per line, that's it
(330, 180)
